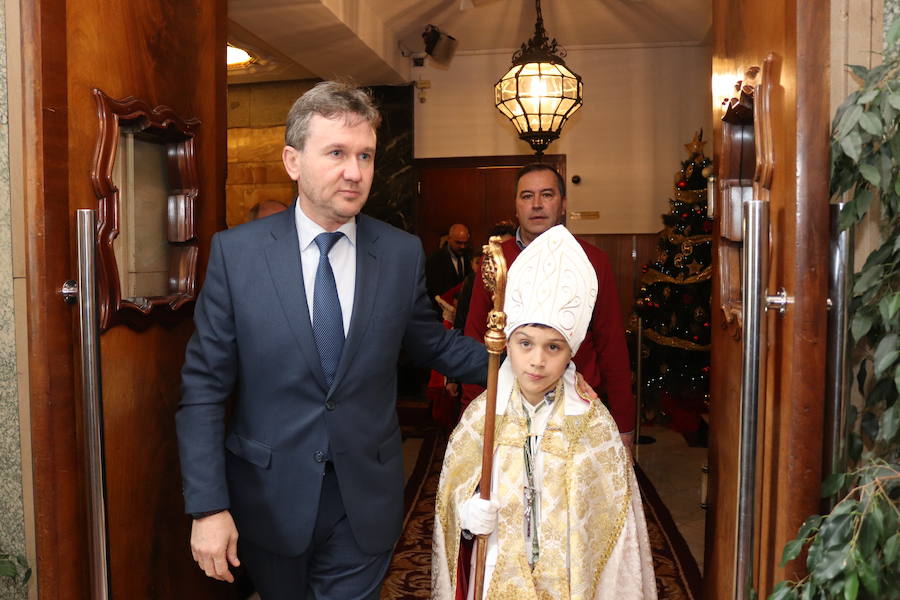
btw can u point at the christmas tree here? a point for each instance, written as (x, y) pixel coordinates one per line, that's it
(673, 305)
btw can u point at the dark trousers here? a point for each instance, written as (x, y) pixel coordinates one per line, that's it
(332, 568)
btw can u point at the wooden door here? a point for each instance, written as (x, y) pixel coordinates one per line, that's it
(171, 53)
(476, 191)
(796, 123)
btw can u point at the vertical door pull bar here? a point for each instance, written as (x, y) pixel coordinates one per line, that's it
(754, 275)
(836, 390)
(93, 407)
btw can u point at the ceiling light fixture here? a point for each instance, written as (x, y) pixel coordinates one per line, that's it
(539, 93)
(236, 58)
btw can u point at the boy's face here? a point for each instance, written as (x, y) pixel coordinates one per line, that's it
(539, 356)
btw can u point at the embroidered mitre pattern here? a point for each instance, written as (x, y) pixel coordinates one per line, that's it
(552, 283)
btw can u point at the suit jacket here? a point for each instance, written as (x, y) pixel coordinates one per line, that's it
(440, 274)
(254, 336)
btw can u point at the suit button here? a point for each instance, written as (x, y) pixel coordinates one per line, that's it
(329, 405)
(319, 456)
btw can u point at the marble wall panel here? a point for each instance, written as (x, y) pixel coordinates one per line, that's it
(12, 519)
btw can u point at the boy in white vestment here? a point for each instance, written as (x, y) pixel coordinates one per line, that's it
(565, 518)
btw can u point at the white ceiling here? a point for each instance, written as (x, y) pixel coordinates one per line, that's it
(370, 40)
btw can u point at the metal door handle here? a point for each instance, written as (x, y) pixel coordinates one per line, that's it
(84, 292)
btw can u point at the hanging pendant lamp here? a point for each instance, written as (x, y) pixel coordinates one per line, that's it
(539, 93)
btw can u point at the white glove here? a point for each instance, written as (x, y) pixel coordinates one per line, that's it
(479, 516)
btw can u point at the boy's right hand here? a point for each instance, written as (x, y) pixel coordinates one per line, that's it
(479, 516)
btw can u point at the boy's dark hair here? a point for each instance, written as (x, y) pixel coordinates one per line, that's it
(531, 168)
(502, 228)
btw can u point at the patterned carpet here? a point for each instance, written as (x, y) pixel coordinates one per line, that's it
(409, 576)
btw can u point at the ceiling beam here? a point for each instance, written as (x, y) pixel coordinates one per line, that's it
(331, 38)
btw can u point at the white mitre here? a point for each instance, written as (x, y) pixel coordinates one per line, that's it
(552, 283)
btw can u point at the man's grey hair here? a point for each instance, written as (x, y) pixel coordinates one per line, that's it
(329, 99)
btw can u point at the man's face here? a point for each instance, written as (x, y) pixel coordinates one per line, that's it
(458, 240)
(539, 205)
(334, 169)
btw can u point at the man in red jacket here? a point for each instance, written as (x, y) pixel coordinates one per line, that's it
(603, 357)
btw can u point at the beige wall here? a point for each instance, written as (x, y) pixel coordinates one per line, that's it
(641, 105)
(857, 38)
(256, 116)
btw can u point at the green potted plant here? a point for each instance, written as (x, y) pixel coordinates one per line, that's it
(15, 567)
(854, 551)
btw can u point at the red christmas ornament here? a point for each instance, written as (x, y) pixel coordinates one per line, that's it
(681, 184)
(707, 226)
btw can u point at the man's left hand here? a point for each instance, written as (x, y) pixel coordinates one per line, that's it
(584, 390)
(587, 392)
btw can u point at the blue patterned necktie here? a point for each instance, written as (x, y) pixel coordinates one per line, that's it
(328, 322)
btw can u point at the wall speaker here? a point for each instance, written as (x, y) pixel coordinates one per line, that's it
(439, 45)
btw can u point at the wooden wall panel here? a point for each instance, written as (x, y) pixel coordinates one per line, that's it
(59, 504)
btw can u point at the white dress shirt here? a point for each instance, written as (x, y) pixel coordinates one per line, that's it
(342, 257)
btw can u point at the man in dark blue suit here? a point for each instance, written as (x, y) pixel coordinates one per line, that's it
(303, 315)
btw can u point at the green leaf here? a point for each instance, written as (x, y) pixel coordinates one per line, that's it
(854, 447)
(880, 394)
(848, 120)
(862, 198)
(831, 485)
(791, 551)
(893, 35)
(871, 122)
(783, 591)
(859, 70)
(851, 586)
(886, 171)
(861, 377)
(889, 305)
(869, 577)
(869, 425)
(886, 353)
(809, 525)
(832, 563)
(848, 216)
(868, 96)
(851, 144)
(890, 419)
(894, 99)
(8, 569)
(871, 174)
(892, 550)
(897, 378)
(868, 278)
(870, 532)
(860, 325)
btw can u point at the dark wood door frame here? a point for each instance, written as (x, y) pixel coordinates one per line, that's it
(60, 507)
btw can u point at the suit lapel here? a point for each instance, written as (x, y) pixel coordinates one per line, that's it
(363, 295)
(283, 256)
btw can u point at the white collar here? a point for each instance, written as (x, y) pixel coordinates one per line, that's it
(307, 229)
(574, 404)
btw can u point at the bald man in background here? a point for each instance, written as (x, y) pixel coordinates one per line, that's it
(265, 208)
(448, 266)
